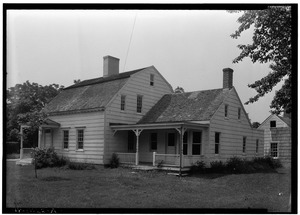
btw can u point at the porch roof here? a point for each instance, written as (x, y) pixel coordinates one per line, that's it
(165, 125)
(48, 123)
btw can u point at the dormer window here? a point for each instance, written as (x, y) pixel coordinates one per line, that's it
(151, 79)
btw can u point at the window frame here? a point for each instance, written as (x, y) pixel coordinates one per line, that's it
(239, 113)
(139, 103)
(277, 150)
(244, 144)
(123, 102)
(194, 144)
(64, 140)
(274, 123)
(226, 110)
(78, 130)
(151, 79)
(217, 143)
(153, 141)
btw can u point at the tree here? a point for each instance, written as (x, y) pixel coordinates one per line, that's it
(179, 90)
(255, 124)
(24, 104)
(271, 43)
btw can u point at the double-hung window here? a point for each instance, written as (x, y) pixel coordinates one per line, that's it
(151, 79)
(123, 102)
(274, 149)
(239, 113)
(153, 141)
(226, 111)
(196, 146)
(139, 103)
(244, 144)
(66, 139)
(217, 142)
(80, 138)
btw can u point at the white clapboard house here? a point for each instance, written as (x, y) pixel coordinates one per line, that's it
(137, 115)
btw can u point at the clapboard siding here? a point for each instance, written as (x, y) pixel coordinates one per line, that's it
(232, 130)
(281, 135)
(93, 125)
(138, 84)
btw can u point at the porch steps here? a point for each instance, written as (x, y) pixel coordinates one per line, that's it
(23, 162)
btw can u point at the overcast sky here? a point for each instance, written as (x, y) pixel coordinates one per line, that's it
(188, 47)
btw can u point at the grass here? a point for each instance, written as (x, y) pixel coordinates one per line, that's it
(127, 188)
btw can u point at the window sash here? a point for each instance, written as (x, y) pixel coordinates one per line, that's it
(151, 80)
(66, 139)
(273, 124)
(244, 144)
(226, 111)
(274, 150)
(80, 138)
(196, 149)
(139, 103)
(197, 137)
(123, 102)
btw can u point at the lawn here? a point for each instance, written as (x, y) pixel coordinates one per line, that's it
(126, 188)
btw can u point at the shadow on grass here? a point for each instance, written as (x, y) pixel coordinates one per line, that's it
(54, 178)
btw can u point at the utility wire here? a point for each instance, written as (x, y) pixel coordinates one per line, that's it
(130, 41)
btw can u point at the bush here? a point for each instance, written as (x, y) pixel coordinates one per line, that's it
(47, 158)
(198, 167)
(12, 148)
(217, 167)
(268, 161)
(114, 161)
(234, 164)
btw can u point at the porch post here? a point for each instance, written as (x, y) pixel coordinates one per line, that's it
(21, 144)
(154, 158)
(40, 137)
(181, 132)
(137, 133)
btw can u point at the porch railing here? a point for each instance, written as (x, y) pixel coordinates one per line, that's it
(127, 158)
(166, 159)
(26, 153)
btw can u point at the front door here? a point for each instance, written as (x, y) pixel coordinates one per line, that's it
(48, 138)
(171, 143)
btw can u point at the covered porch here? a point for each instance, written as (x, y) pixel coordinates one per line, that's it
(172, 145)
(45, 137)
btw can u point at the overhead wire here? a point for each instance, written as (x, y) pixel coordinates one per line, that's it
(130, 41)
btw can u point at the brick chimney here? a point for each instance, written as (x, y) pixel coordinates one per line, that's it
(227, 78)
(110, 66)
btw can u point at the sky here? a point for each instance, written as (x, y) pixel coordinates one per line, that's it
(188, 47)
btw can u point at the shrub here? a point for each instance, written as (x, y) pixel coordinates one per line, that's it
(268, 161)
(234, 164)
(47, 158)
(12, 147)
(198, 167)
(114, 161)
(160, 164)
(217, 167)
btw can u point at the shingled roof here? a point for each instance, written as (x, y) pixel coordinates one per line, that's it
(191, 106)
(286, 120)
(89, 94)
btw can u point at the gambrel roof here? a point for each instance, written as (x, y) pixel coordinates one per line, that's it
(89, 94)
(191, 106)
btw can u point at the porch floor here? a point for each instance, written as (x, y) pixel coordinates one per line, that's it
(149, 166)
